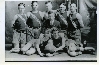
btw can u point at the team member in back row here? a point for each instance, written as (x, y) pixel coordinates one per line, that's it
(34, 20)
(75, 23)
(61, 16)
(49, 7)
(34, 23)
(19, 29)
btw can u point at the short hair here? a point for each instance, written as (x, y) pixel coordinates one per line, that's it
(63, 4)
(21, 4)
(34, 1)
(73, 3)
(48, 30)
(48, 2)
(54, 29)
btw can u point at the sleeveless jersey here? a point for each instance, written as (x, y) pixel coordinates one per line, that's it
(57, 42)
(48, 25)
(43, 44)
(74, 18)
(31, 22)
(19, 23)
(63, 25)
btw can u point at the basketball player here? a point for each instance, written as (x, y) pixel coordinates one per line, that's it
(51, 43)
(75, 23)
(19, 29)
(34, 23)
(49, 8)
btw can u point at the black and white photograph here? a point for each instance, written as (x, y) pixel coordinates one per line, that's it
(51, 31)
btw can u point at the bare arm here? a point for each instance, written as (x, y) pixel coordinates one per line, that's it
(28, 14)
(79, 17)
(13, 21)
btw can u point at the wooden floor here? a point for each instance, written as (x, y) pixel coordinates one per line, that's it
(61, 57)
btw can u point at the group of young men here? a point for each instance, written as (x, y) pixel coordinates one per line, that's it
(48, 33)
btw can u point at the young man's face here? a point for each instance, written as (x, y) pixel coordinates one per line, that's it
(73, 7)
(35, 5)
(47, 33)
(49, 6)
(62, 8)
(21, 8)
(51, 16)
(55, 34)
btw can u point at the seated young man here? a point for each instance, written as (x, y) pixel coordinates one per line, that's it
(34, 45)
(44, 40)
(30, 47)
(51, 44)
(74, 49)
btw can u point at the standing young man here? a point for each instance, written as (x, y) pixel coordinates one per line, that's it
(61, 16)
(19, 29)
(34, 23)
(34, 20)
(75, 23)
(44, 40)
(49, 8)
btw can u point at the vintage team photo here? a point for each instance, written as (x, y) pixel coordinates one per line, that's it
(58, 30)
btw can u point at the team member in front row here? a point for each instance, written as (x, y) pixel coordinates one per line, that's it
(50, 43)
(19, 29)
(34, 23)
